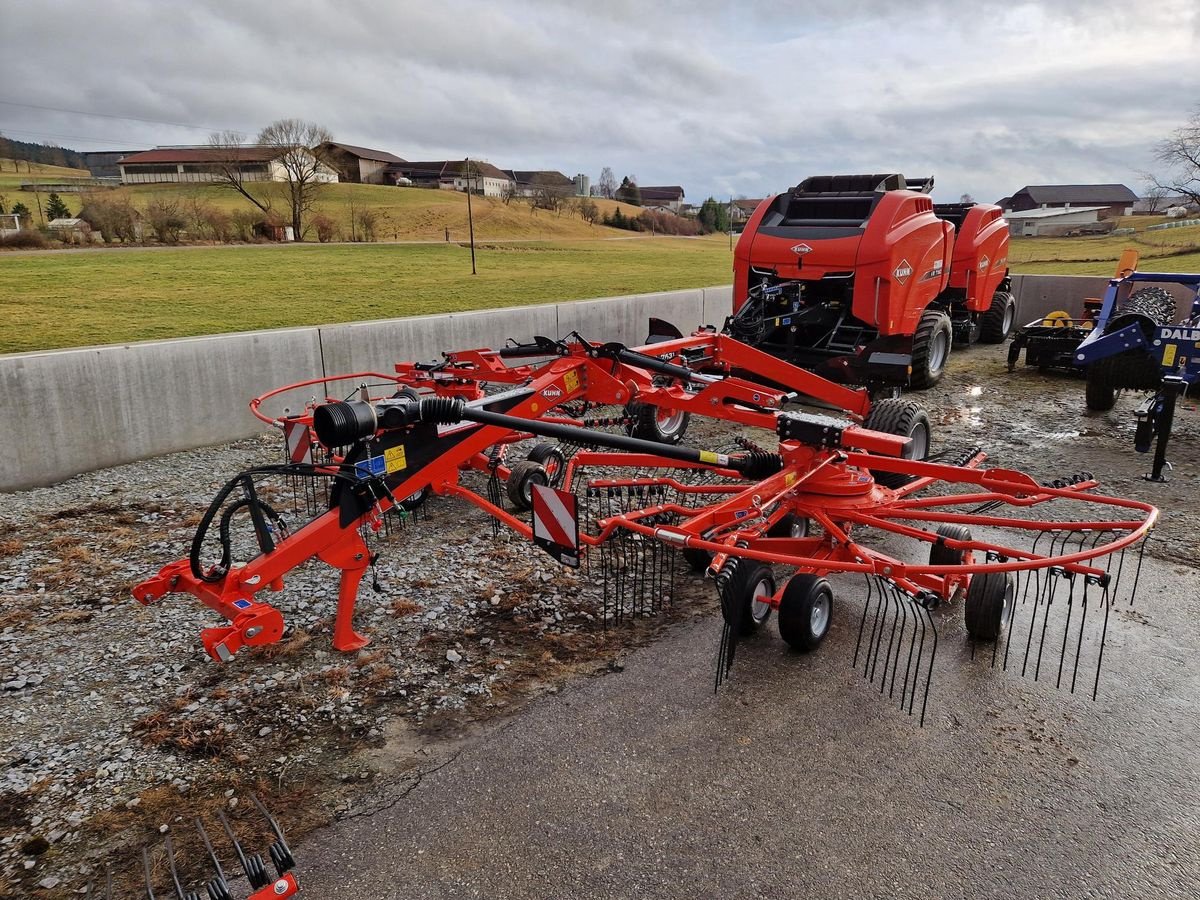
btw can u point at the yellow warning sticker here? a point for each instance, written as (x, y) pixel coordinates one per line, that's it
(707, 456)
(788, 478)
(571, 381)
(1169, 355)
(394, 459)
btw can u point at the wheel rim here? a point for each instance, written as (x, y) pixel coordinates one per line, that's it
(799, 528)
(669, 420)
(1006, 606)
(937, 352)
(760, 605)
(920, 440)
(1009, 314)
(818, 619)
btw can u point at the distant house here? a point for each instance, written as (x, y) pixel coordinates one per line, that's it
(1057, 221)
(1114, 199)
(200, 164)
(74, 230)
(668, 197)
(358, 165)
(528, 183)
(743, 210)
(10, 223)
(451, 175)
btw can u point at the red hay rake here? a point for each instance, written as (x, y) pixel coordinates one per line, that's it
(831, 497)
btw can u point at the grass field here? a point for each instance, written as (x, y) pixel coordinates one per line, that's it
(71, 299)
(10, 180)
(1170, 250)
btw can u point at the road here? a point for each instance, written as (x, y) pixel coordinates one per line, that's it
(797, 779)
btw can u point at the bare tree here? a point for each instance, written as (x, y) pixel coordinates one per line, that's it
(607, 183)
(1180, 153)
(966, 198)
(298, 146)
(1155, 197)
(230, 158)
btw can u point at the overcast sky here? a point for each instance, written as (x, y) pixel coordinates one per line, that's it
(722, 98)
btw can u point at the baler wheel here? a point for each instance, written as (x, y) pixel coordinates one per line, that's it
(805, 611)
(522, 477)
(907, 419)
(989, 605)
(997, 323)
(931, 348)
(750, 588)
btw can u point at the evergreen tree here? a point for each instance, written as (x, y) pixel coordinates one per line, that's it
(56, 209)
(20, 209)
(628, 191)
(713, 215)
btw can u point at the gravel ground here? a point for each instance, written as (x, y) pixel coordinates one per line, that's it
(114, 724)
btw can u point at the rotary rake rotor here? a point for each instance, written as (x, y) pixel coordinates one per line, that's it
(610, 484)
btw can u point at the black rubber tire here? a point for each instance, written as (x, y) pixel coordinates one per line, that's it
(740, 592)
(698, 560)
(800, 595)
(1001, 317)
(521, 479)
(1100, 395)
(986, 611)
(552, 459)
(415, 501)
(928, 362)
(903, 417)
(790, 525)
(940, 554)
(646, 424)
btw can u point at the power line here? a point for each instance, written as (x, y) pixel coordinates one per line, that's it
(67, 137)
(80, 112)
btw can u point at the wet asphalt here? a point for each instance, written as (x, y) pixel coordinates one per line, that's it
(797, 779)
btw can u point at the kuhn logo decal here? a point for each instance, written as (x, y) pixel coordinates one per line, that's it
(983, 264)
(551, 392)
(903, 271)
(801, 249)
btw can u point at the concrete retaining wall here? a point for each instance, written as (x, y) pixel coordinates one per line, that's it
(70, 411)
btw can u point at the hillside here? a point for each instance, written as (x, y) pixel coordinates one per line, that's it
(10, 177)
(404, 214)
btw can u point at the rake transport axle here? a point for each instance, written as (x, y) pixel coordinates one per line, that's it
(851, 495)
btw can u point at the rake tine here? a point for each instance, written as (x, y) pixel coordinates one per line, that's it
(1037, 670)
(1103, 637)
(171, 868)
(1066, 630)
(863, 621)
(877, 626)
(896, 659)
(1033, 620)
(912, 697)
(281, 854)
(1079, 641)
(912, 643)
(1137, 576)
(887, 656)
(929, 669)
(149, 875)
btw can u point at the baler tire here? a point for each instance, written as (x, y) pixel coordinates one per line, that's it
(521, 478)
(940, 554)
(928, 362)
(997, 323)
(905, 418)
(988, 605)
(805, 611)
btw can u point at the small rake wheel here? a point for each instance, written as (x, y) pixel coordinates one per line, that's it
(940, 554)
(522, 477)
(790, 526)
(552, 459)
(989, 605)
(746, 603)
(805, 611)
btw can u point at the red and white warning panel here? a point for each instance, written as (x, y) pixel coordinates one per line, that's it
(556, 523)
(299, 441)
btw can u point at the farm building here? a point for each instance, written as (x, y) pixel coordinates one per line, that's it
(1053, 221)
(529, 183)
(667, 197)
(358, 165)
(1113, 199)
(452, 175)
(201, 164)
(103, 163)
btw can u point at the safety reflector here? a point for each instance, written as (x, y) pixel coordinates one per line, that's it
(556, 524)
(299, 441)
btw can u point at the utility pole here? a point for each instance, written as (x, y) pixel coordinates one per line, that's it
(470, 215)
(730, 228)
